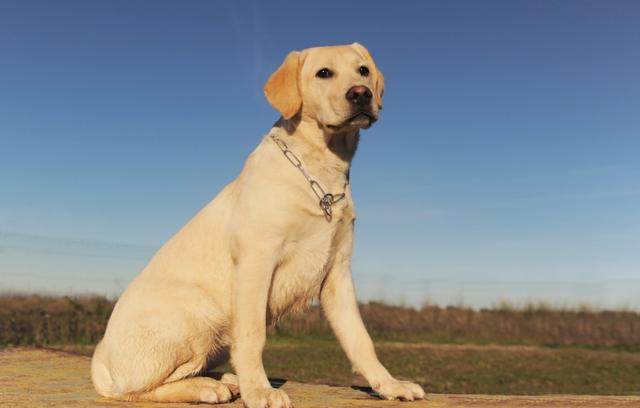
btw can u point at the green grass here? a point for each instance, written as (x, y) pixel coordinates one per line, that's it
(466, 369)
(456, 369)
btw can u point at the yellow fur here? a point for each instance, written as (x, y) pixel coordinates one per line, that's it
(261, 248)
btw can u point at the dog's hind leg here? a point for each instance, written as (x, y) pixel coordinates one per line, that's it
(193, 389)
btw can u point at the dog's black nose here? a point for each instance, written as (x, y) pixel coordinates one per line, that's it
(359, 95)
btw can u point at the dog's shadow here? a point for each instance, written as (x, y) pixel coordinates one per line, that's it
(275, 382)
(279, 382)
(367, 390)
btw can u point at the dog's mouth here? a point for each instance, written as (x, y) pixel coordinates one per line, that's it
(360, 120)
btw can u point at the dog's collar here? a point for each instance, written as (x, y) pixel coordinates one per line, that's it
(326, 199)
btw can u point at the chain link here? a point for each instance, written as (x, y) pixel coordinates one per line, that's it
(326, 199)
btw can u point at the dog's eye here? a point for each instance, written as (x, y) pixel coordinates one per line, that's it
(364, 71)
(324, 73)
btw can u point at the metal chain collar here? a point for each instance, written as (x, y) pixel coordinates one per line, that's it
(326, 199)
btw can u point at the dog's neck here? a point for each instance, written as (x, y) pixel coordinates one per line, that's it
(323, 150)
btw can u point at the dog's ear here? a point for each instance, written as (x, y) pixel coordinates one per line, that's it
(378, 80)
(282, 88)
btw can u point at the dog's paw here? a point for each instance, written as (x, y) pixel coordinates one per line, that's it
(266, 398)
(231, 381)
(401, 390)
(215, 393)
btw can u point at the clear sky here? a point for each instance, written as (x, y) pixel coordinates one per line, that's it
(505, 165)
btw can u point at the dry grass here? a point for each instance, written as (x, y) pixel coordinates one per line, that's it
(532, 324)
(42, 320)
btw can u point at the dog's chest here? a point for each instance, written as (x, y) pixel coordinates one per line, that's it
(305, 261)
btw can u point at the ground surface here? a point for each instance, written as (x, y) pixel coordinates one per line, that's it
(44, 378)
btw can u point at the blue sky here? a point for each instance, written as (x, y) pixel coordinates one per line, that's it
(509, 141)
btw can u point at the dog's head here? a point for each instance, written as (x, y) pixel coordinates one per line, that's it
(340, 87)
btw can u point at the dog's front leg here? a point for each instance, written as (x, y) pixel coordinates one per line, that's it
(341, 308)
(252, 281)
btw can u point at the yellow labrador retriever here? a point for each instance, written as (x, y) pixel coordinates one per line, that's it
(275, 238)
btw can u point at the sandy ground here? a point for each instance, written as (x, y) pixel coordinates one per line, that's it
(45, 378)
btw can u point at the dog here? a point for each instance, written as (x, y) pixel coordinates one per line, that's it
(277, 237)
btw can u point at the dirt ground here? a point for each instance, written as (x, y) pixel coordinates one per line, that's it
(45, 378)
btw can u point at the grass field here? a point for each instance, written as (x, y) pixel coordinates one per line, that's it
(534, 350)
